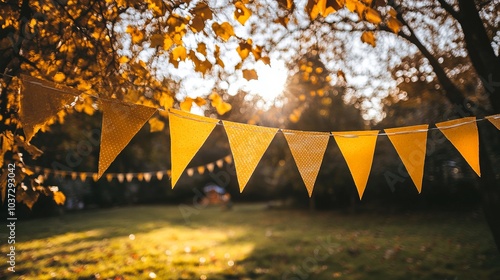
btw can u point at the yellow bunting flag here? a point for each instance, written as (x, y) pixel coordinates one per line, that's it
(120, 177)
(358, 148)
(201, 170)
(74, 175)
(190, 172)
(159, 175)
(463, 134)
(95, 177)
(219, 163)
(308, 150)
(129, 177)
(210, 167)
(147, 177)
(140, 177)
(495, 120)
(188, 132)
(83, 176)
(228, 159)
(248, 144)
(40, 101)
(120, 122)
(109, 177)
(410, 144)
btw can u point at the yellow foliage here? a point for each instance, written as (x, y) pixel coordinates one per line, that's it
(368, 37)
(250, 74)
(155, 125)
(59, 198)
(219, 104)
(187, 104)
(59, 77)
(242, 13)
(156, 40)
(200, 101)
(167, 42)
(371, 15)
(394, 24)
(244, 50)
(123, 59)
(179, 53)
(202, 48)
(224, 30)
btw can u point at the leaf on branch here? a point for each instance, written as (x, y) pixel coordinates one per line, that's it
(179, 53)
(286, 4)
(394, 24)
(59, 77)
(156, 40)
(166, 101)
(244, 50)
(59, 198)
(167, 42)
(123, 59)
(266, 60)
(187, 104)
(372, 15)
(200, 101)
(242, 13)
(219, 104)
(368, 37)
(155, 125)
(250, 74)
(202, 10)
(202, 48)
(27, 196)
(224, 30)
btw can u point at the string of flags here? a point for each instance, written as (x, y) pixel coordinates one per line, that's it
(188, 132)
(129, 176)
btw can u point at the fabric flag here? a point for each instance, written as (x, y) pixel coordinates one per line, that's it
(129, 177)
(147, 177)
(40, 101)
(95, 177)
(120, 122)
(463, 134)
(74, 175)
(140, 177)
(201, 170)
(219, 163)
(211, 167)
(188, 132)
(410, 144)
(358, 148)
(83, 176)
(308, 150)
(495, 120)
(109, 177)
(159, 175)
(120, 177)
(248, 144)
(190, 172)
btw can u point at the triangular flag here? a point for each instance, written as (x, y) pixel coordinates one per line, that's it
(308, 150)
(495, 120)
(109, 177)
(74, 175)
(219, 163)
(120, 122)
(159, 175)
(463, 134)
(140, 177)
(190, 172)
(210, 167)
(147, 177)
(95, 177)
(120, 177)
(228, 159)
(188, 132)
(83, 176)
(129, 177)
(40, 101)
(358, 148)
(201, 170)
(410, 144)
(248, 144)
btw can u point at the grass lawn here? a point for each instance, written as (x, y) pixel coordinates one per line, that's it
(251, 242)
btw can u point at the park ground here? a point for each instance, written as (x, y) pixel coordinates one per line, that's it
(253, 242)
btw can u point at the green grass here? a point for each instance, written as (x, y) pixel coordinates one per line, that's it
(251, 242)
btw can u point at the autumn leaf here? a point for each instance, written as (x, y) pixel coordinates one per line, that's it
(156, 40)
(266, 60)
(250, 74)
(244, 50)
(224, 30)
(394, 24)
(155, 125)
(167, 42)
(202, 48)
(371, 15)
(200, 101)
(59, 77)
(223, 108)
(179, 53)
(202, 10)
(166, 101)
(368, 37)
(59, 198)
(286, 4)
(187, 104)
(123, 59)
(242, 13)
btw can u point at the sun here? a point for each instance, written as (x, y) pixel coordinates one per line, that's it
(271, 81)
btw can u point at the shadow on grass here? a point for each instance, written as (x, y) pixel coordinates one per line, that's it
(251, 242)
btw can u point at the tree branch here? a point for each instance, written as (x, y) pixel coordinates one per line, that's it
(449, 8)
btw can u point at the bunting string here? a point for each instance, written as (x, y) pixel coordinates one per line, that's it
(129, 176)
(248, 143)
